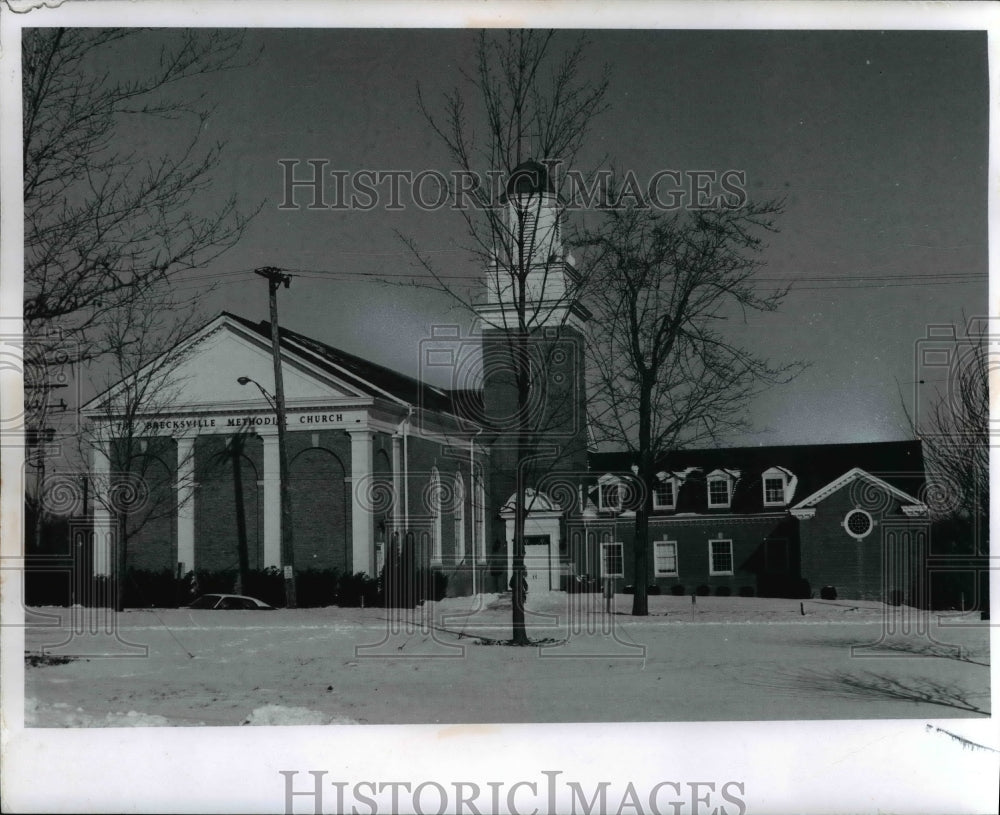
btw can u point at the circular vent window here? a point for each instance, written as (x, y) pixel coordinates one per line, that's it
(858, 523)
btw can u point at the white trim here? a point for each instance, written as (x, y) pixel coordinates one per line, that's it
(858, 536)
(672, 480)
(732, 559)
(716, 477)
(289, 355)
(437, 547)
(185, 488)
(656, 571)
(701, 517)
(362, 518)
(778, 474)
(846, 478)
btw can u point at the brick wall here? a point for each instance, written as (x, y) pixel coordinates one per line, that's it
(321, 499)
(216, 538)
(831, 557)
(752, 557)
(152, 525)
(558, 419)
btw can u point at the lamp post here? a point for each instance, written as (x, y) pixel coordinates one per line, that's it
(287, 550)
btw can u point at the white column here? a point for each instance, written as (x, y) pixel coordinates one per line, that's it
(397, 483)
(185, 503)
(103, 522)
(362, 518)
(510, 551)
(272, 499)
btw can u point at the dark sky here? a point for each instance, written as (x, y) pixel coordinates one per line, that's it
(877, 141)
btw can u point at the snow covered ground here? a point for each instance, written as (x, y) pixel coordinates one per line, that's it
(721, 658)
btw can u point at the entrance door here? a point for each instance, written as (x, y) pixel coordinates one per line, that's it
(537, 563)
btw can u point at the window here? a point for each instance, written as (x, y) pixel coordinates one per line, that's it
(664, 496)
(718, 492)
(774, 490)
(610, 496)
(858, 524)
(612, 562)
(720, 557)
(665, 558)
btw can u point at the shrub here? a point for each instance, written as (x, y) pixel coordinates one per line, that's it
(267, 585)
(316, 587)
(653, 590)
(145, 589)
(358, 589)
(746, 591)
(828, 593)
(677, 590)
(704, 591)
(723, 591)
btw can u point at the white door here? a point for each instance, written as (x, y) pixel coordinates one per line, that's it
(537, 563)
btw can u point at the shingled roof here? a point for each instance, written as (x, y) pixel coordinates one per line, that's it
(369, 377)
(899, 463)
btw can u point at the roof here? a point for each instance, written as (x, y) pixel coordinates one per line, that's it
(898, 463)
(373, 379)
(529, 177)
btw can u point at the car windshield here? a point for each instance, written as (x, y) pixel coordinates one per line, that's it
(205, 601)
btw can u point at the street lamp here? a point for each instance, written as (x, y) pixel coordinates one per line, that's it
(246, 380)
(287, 549)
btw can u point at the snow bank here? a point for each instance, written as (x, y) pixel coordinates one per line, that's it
(61, 715)
(281, 715)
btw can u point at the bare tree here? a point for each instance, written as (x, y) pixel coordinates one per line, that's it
(666, 376)
(523, 100)
(143, 382)
(105, 221)
(232, 456)
(955, 436)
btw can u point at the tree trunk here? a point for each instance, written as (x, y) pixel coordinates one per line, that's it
(121, 560)
(519, 582)
(640, 544)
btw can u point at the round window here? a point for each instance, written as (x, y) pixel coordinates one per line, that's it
(858, 523)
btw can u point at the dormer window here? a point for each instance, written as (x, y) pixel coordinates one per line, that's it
(720, 489)
(774, 490)
(665, 492)
(775, 483)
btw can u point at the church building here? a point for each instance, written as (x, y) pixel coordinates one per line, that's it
(379, 459)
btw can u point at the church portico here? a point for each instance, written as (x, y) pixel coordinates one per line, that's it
(349, 447)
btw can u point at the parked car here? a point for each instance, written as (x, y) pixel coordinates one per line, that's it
(230, 602)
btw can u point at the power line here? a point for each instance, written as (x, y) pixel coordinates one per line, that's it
(816, 283)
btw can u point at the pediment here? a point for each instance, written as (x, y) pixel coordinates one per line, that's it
(201, 373)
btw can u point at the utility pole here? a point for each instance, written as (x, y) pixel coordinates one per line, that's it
(275, 277)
